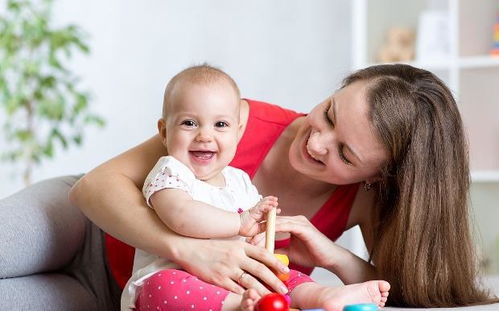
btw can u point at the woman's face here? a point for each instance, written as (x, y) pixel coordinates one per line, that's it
(337, 143)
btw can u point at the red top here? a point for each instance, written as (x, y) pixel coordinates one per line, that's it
(266, 123)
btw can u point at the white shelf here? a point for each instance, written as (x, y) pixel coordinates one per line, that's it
(468, 62)
(485, 176)
(428, 65)
(436, 65)
(472, 62)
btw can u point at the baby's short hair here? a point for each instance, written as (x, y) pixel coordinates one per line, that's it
(203, 74)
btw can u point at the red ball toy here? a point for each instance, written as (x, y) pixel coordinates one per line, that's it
(272, 302)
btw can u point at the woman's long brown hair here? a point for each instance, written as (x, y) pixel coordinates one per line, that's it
(423, 244)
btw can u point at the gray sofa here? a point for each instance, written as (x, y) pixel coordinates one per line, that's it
(52, 257)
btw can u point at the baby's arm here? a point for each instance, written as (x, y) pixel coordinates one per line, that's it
(196, 219)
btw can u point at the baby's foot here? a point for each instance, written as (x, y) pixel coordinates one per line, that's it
(368, 292)
(249, 300)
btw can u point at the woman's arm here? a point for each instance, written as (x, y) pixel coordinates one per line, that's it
(349, 267)
(110, 196)
(310, 247)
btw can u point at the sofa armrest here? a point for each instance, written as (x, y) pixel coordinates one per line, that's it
(41, 231)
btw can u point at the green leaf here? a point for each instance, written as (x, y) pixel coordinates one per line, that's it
(11, 156)
(23, 135)
(48, 149)
(48, 82)
(94, 119)
(52, 109)
(54, 62)
(81, 103)
(78, 139)
(55, 133)
(31, 68)
(13, 104)
(14, 6)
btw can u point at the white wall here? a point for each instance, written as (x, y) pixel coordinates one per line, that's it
(289, 52)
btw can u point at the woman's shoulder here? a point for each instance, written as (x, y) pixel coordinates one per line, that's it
(263, 125)
(268, 112)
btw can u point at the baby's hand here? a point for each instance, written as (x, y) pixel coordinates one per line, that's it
(251, 220)
(257, 240)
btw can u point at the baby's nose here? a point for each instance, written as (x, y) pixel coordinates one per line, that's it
(204, 135)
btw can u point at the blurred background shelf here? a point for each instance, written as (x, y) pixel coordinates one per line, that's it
(467, 62)
(472, 62)
(485, 177)
(466, 65)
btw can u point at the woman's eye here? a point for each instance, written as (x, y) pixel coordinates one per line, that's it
(326, 116)
(221, 124)
(342, 156)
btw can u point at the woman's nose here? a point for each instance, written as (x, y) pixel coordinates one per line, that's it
(320, 142)
(317, 143)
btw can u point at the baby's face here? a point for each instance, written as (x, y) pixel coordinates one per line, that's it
(203, 128)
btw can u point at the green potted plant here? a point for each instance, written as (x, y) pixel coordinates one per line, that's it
(42, 105)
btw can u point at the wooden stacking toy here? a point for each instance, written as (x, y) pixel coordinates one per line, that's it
(274, 301)
(270, 242)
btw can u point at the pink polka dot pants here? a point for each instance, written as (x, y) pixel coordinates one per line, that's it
(178, 290)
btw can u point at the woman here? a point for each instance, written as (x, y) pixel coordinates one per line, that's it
(392, 129)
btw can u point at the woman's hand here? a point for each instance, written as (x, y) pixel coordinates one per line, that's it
(232, 264)
(308, 246)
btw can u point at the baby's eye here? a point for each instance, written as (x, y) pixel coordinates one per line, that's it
(221, 124)
(190, 123)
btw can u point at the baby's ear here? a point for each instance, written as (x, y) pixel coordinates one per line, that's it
(162, 130)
